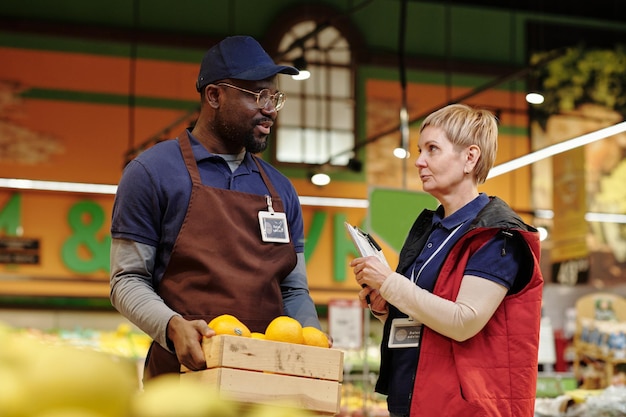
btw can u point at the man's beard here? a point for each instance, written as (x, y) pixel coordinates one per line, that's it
(253, 145)
(234, 134)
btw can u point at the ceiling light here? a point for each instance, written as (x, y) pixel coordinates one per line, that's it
(606, 217)
(320, 179)
(303, 75)
(544, 214)
(557, 148)
(334, 202)
(534, 98)
(301, 65)
(401, 153)
(71, 187)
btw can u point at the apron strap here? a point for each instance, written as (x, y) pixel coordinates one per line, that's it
(266, 180)
(190, 161)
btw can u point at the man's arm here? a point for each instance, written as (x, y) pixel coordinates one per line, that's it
(132, 292)
(133, 295)
(297, 301)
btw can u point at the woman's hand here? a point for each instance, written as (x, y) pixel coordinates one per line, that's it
(377, 303)
(370, 271)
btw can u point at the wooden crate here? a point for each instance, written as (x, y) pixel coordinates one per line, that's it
(262, 371)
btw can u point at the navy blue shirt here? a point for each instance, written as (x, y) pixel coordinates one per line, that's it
(154, 191)
(485, 263)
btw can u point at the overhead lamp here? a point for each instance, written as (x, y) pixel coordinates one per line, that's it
(320, 179)
(534, 98)
(534, 86)
(69, 187)
(557, 148)
(301, 65)
(355, 165)
(402, 151)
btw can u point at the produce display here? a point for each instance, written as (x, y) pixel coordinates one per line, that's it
(609, 402)
(95, 375)
(75, 366)
(44, 379)
(358, 401)
(169, 396)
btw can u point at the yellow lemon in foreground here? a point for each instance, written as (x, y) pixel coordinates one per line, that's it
(69, 412)
(228, 324)
(170, 395)
(64, 377)
(278, 410)
(284, 329)
(314, 337)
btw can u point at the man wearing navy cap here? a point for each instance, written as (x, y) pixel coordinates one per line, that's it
(202, 227)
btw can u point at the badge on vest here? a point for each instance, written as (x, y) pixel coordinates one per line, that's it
(273, 224)
(405, 332)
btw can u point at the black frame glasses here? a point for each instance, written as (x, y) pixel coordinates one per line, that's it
(263, 97)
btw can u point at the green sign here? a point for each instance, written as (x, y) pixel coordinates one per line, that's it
(392, 213)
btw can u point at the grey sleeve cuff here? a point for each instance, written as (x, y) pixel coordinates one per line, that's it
(132, 292)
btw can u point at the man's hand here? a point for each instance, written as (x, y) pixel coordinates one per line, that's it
(187, 335)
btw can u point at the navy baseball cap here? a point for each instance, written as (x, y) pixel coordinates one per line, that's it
(240, 58)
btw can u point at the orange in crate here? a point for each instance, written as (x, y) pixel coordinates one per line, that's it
(229, 324)
(284, 329)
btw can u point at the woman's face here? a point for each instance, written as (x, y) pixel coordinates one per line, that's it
(441, 166)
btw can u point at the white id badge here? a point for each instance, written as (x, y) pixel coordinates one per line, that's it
(273, 226)
(404, 333)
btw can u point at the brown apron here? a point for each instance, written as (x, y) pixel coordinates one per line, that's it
(219, 263)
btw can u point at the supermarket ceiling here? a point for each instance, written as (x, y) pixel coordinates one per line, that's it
(611, 10)
(115, 12)
(183, 23)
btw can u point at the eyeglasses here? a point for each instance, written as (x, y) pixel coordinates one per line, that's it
(263, 97)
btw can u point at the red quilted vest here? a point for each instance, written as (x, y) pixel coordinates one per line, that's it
(495, 372)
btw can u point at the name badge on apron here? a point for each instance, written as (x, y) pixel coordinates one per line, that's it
(405, 332)
(273, 225)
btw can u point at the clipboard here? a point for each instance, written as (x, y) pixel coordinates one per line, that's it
(365, 243)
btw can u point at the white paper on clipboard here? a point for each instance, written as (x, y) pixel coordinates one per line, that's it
(365, 244)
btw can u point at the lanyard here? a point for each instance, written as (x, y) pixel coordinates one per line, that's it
(415, 277)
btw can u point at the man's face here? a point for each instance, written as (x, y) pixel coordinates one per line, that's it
(239, 121)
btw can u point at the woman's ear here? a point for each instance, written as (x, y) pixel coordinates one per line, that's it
(473, 154)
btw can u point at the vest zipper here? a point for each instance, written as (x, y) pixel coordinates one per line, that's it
(507, 235)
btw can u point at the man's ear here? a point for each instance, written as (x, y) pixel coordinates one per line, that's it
(211, 95)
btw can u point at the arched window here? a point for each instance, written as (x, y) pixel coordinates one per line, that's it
(317, 124)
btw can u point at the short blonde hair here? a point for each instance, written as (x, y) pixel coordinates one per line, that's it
(465, 126)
